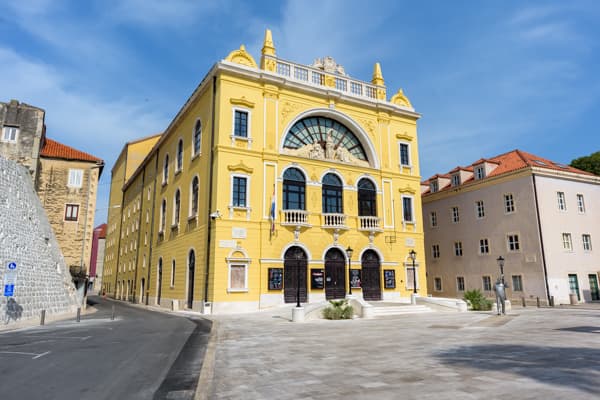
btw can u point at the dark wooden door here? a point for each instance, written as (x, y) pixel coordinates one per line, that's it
(294, 274)
(335, 275)
(191, 271)
(159, 291)
(371, 276)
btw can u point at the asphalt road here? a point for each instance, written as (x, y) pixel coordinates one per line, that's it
(140, 355)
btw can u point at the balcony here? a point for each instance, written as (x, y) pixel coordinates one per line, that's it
(371, 224)
(334, 221)
(294, 218)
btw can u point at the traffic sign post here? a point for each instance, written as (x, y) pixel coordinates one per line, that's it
(10, 279)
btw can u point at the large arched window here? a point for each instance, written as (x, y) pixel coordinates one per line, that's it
(197, 137)
(163, 215)
(179, 156)
(294, 190)
(166, 169)
(176, 207)
(194, 197)
(367, 194)
(332, 194)
(324, 138)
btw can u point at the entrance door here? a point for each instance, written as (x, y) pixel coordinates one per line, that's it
(191, 270)
(574, 285)
(159, 290)
(335, 275)
(371, 276)
(595, 293)
(294, 275)
(142, 290)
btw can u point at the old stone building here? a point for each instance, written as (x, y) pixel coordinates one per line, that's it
(65, 179)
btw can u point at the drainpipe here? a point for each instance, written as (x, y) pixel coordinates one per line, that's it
(539, 223)
(210, 189)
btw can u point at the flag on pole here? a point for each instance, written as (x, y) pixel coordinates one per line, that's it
(272, 213)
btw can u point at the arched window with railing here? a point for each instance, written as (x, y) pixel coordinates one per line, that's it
(294, 190)
(333, 199)
(367, 195)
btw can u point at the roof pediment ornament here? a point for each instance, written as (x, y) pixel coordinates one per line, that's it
(401, 99)
(407, 189)
(241, 56)
(242, 101)
(241, 167)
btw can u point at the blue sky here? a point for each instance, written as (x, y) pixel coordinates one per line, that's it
(487, 76)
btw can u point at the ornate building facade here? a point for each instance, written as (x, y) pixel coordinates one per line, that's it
(260, 185)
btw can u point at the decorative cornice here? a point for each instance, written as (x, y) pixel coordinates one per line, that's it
(242, 102)
(407, 189)
(240, 167)
(403, 136)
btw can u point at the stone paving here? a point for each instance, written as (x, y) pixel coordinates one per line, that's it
(530, 354)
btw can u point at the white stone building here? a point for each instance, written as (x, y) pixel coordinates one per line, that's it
(541, 217)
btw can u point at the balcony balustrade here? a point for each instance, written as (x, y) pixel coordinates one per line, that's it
(295, 217)
(372, 224)
(334, 220)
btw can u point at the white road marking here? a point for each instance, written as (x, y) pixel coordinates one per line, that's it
(40, 355)
(35, 355)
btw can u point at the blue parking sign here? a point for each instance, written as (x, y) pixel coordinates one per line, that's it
(9, 290)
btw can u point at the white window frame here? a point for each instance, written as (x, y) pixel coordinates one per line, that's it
(456, 180)
(580, 203)
(191, 214)
(518, 242)
(479, 172)
(236, 263)
(486, 244)
(567, 241)
(455, 216)
(73, 205)
(248, 137)
(506, 197)
(479, 209)
(433, 222)
(435, 251)
(162, 222)
(409, 278)
(407, 144)
(75, 178)
(458, 289)
(483, 282)
(179, 168)
(562, 203)
(231, 178)
(434, 186)
(412, 206)
(194, 152)
(586, 239)
(176, 218)
(165, 168)
(7, 133)
(458, 250)
(519, 287)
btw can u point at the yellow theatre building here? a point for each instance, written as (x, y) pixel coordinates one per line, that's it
(274, 180)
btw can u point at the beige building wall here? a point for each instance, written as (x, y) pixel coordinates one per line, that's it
(74, 235)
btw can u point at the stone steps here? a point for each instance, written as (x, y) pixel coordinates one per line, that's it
(399, 310)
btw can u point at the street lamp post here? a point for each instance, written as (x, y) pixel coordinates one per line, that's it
(500, 261)
(349, 252)
(413, 257)
(298, 258)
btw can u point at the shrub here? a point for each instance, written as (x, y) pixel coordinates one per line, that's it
(339, 309)
(477, 300)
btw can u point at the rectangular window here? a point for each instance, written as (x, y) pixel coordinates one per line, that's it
(411, 278)
(237, 277)
(318, 78)
(479, 208)
(580, 203)
(75, 178)
(435, 251)
(487, 283)
(560, 197)
(509, 203)
(456, 180)
(574, 285)
(479, 173)
(433, 219)
(460, 283)
(455, 215)
(484, 246)
(433, 186)
(240, 124)
(301, 73)
(356, 88)
(458, 249)
(71, 212)
(517, 283)
(567, 242)
(437, 284)
(407, 209)
(587, 242)
(10, 134)
(239, 191)
(283, 69)
(513, 243)
(341, 84)
(404, 154)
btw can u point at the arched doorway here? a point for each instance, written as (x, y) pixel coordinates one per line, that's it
(295, 264)
(371, 276)
(335, 274)
(159, 282)
(191, 270)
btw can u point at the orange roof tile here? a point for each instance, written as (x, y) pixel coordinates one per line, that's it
(102, 229)
(54, 149)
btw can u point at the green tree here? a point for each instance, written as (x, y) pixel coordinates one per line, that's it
(589, 163)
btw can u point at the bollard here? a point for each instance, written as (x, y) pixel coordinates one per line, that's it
(112, 315)
(43, 317)
(78, 314)
(523, 301)
(538, 302)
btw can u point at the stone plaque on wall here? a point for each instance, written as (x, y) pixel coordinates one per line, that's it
(238, 233)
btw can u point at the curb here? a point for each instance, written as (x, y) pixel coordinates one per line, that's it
(205, 380)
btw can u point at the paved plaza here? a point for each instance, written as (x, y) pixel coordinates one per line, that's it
(530, 354)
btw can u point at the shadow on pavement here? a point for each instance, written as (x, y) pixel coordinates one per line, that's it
(577, 367)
